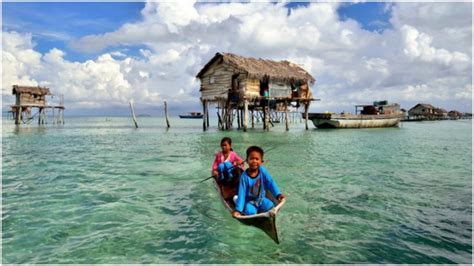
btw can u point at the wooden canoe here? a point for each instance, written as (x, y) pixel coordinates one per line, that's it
(264, 221)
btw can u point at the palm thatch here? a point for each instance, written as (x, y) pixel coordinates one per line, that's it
(258, 68)
(423, 105)
(31, 90)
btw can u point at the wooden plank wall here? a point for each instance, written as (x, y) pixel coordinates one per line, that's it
(251, 87)
(222, 75)
(27, 98)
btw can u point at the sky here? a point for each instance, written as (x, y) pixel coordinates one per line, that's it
(102, 55)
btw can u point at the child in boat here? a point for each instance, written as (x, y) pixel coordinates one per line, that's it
(253, 185)
(226, 161)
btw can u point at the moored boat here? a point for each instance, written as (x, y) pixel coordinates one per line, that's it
(191, 115)
(380, 114)
(264, 221)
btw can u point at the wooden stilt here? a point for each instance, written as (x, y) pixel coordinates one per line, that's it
(133, 114)
(219, 120)
(166, 115)
(238, 118)
(223, 115)
(287, 125)
(207, 114)
(226, 118)
(252, 119)
(306, 107)
(266, 117)
(270, 119)
(18, 116)
(43, 114)
(246, 114)
(204, 128)
(229, 116)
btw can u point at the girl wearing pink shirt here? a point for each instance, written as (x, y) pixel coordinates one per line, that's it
(226, 161)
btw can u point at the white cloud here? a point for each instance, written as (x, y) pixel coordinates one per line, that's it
(425, 56)
(418, 45)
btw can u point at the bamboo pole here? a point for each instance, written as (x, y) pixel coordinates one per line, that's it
(133, 114)
(166, 115)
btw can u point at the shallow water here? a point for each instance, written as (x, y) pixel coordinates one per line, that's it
(97, 190)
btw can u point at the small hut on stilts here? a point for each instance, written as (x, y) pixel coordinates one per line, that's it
(27, 98)
(262, 90)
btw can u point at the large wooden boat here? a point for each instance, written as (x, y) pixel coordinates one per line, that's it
(264, 221)
(191, 115)
(371, 116)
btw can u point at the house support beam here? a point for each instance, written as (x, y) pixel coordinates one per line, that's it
(306, 107)
(204, 111)
(246, 114)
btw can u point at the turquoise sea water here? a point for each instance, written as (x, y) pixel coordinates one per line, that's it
(97, 190)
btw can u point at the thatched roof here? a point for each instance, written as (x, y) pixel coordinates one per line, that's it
(258, 68)
(440, 110)
(32, 90)
(424, 105)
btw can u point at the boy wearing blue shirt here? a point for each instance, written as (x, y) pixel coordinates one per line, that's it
(253, 185)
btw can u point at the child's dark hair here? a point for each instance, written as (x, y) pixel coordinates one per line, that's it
(254, 148)
(228, 140)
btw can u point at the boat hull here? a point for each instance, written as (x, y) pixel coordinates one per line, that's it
(264, 221)
(191, 116)
(327, 120)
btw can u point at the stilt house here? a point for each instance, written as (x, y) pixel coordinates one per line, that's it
(28, 97)
(421, 110)
(241, 84)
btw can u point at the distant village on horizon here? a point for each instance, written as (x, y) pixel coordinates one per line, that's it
(28, 97)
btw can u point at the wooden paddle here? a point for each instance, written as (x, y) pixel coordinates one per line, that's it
(227, 169)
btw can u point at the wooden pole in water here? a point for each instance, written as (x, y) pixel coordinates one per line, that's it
(264, 119)
(286, 117)
(43, 116)
(246, 114)
(204, 128)
(238, 117)
(222, 114)
(252, 119)
(166, 115)
(306, 107)
(18, 114)
(133, 114)
(267, 118)
(219, 122)
(228, 114)
(207, 114)
(225, 117)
